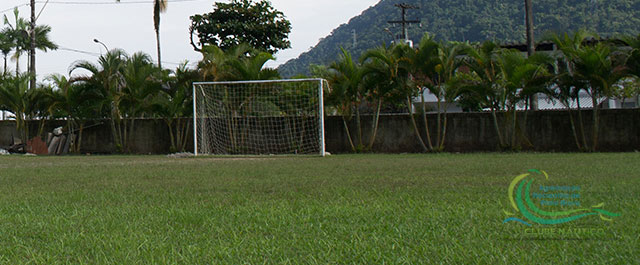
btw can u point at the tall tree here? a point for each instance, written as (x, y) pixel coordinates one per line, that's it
(20, 33)
(159, 6)
(32, 45)
(6, 45)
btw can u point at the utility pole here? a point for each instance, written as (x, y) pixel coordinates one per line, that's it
(531, 44)
(404, 22)
(32, 50)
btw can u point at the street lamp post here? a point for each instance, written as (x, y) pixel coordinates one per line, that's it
(104, 45)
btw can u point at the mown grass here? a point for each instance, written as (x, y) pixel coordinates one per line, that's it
(345, 209)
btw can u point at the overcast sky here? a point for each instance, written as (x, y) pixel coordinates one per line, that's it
(75, 23)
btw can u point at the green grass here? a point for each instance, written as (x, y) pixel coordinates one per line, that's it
(364, 209)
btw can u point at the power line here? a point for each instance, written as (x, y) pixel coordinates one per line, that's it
(95, 3)
(98, 54)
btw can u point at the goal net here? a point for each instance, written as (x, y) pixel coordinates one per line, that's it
(259, 117)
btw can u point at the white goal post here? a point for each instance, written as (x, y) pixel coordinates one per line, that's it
(265, 117)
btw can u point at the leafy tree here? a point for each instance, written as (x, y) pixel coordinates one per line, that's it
(485, 82)
(16, 97)
(176, 103)
(6, 45)
(345, 93)
(77, 103)
(238, 63)
(433, 68)
(386, 75)
(142, 81)
(108, 76)
(595, 68)
(19, 34)
(598, 67)
(523, 78)
(241, 21)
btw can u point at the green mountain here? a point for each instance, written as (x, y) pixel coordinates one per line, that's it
(469, 20)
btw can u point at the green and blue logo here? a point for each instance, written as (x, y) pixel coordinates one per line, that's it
(528, 212)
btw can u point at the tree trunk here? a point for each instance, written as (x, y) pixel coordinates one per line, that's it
(186, 126)
(439, 123)
(514, 122)
(374, 125)
(130, 135)
(359, 126)
(158, 46)
(497, 127)
(415, 126)
(573, 129)
(581, 126)
(596, 125)
(79, 142)
(426, 122)
(444, 131)
(32, 50)
(17, 65)
(346, 129)
(169, 123)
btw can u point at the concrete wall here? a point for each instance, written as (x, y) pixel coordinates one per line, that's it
(546, 131)
(466, 132)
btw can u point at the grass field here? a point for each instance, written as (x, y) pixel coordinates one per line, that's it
(343, 209)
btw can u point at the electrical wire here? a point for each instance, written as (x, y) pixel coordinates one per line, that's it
(94, 3)
(98, 54)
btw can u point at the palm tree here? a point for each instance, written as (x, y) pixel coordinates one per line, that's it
(108, 77)
(346, 92)
(19, 34)
(568, 84)
(433, 67)
(241, 62)
(174, 104)
(387, 75)
(596, 68)
(159, 6)
(15, 96)
(484, 82)
(143, 81)
(6, 45)
(523, 78)
(77, 103)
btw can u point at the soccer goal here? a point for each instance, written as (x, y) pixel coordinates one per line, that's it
(267, 117)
